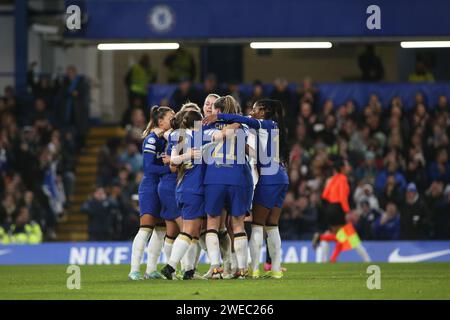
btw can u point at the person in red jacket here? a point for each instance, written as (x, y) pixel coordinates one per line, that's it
(335, 202)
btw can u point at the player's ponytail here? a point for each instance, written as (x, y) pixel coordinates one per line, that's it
(177, 119)
(156, 113)
(227, 104)
(188, 122)
(189, 119)
(273, 110)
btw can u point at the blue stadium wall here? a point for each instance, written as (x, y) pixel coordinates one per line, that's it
(102, 253)
(340, 93)
(203, 19)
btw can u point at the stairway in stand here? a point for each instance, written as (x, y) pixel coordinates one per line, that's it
(75, 226)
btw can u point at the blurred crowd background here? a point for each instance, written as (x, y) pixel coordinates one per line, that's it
(399, 157)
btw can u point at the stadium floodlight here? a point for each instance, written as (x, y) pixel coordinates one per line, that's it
(138, 46)
(424, 44)
(291, 45)
(44, 29)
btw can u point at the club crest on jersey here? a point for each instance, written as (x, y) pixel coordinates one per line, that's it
(151, 140)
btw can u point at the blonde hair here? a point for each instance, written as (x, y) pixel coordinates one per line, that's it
(227, 104)
(189, 119)
(156, 114)
(214, 95)
(190, 105)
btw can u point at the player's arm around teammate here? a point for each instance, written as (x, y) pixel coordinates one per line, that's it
(226, 188)
(153, 166)
(189, 195)
(267, 118)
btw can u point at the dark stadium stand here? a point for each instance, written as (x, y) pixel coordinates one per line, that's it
(75, 226)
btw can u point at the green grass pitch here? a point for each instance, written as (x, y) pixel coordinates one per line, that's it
(301, 281)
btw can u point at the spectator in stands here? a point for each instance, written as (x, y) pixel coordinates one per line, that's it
(233, 90)
(35, 210)
(73, 111)
(421, 73)
(392, 192)
(440, 169)
(438, 137)
(257, 94)
(209, 86)
(290, 218)
(131, 158)
(282, 93)
(370, 65)
(387, 225)
(137, 79)
(8, 210)
(108, 163)
(136, 104)
(368, 170)
(180, 65)
(415, 168)
(43, 88)
(442, 106)
(327, 109)
(433, 198)
(4, 153)
(365, 219)
(325, 131)
(360, 139)
(136, 126)
(415, 216)
(307, 92)
(442, 216)
(128, 186)
(14, 108)
(120, 204)
(308, 218)
(391, 170)
(185, 92)
(40, 112)
(66, 161)
(101, 216)
(365, 193)
(420, 117)
(3, 108)
(24, 230)
(397, 121)
(130, 220)
(308, 118)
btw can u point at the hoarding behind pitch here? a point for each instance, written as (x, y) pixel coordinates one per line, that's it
(101, 253)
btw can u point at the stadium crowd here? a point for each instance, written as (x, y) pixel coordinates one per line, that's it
(40, 133)
(400, 169)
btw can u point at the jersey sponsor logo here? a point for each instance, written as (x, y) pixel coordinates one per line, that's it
(150, 146)
(396, 257)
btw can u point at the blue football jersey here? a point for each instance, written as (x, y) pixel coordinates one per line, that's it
(226, 162)
(267, 143)
(192, 179)
(168, 181)
(153, 150)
